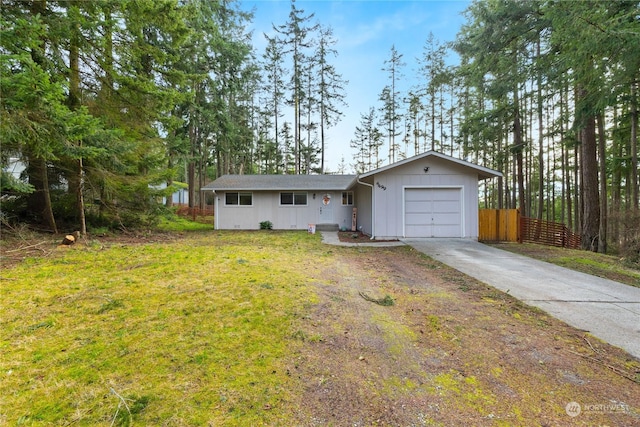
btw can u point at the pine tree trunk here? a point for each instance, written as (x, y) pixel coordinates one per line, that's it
(519, 148)
(500, 167)
(590, 198)
(296, 133)
(191, 167)
(40, 200)
(540, 139)
(634, 145)
(80, 199)
(322, 113)
(169, 200)
(74, 103)
(201, 182)
(577, 189)
(616, 182)
(602, 234)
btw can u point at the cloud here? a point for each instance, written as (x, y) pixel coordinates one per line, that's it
(389, 21)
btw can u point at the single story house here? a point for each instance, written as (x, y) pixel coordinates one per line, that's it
(428, 195)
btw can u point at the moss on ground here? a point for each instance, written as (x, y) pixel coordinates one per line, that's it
(194, 331)
(272, 328)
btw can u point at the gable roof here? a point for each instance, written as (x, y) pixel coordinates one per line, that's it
(281, 182)
(483, 173)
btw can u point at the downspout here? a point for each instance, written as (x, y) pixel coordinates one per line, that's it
(373, 224)
(215, 210)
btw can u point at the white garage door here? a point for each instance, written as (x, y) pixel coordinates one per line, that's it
(432, 212)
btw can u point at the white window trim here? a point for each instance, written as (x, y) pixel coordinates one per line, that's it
(293, 194)
(352, 199)
(238, 205)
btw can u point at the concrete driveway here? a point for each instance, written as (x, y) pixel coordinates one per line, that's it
(608, 310)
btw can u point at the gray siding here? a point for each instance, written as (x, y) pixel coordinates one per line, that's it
(363, 195)
(389, 188)
(266, 207)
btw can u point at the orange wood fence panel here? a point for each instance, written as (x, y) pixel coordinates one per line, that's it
(506, 225)
(499, 225)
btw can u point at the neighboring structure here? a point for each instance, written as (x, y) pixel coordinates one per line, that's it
(428, 195)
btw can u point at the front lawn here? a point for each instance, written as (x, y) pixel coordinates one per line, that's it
(269, 328)
(190, 332)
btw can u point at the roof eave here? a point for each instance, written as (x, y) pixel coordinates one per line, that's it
(483, 172)
(488, 175)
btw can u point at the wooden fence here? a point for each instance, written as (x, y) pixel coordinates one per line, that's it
(499, 225)
(195, 211)
(548, 233)
(506, 225)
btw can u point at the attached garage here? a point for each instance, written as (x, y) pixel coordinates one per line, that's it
(426, 196)
(433, 212)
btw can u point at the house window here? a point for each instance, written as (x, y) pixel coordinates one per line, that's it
(238, 199)
(347, 198)
(297, 199)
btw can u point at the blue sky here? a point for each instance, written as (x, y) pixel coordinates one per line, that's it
(365, 32)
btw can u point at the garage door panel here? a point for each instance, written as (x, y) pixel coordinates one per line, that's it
(446, 219)
(416, 219)
(417, 207)
(446, 206)
(446, 231)
(433, 212)
(411, 195)
(418, 230)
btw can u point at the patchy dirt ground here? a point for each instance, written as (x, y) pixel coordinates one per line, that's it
(449, 351)
(357, 237)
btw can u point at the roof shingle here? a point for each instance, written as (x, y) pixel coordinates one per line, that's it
(281, 182)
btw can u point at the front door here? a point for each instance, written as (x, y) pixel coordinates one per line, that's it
(326, 208)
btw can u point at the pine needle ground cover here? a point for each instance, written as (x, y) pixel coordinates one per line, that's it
(191, 332)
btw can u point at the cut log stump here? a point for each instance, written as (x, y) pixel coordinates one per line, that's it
(69, 239)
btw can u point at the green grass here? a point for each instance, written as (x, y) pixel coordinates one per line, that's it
(193, 332)
(176, 223)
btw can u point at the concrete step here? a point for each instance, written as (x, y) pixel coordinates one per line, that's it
(327, 227)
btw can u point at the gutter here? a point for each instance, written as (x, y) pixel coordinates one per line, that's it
(373, 224)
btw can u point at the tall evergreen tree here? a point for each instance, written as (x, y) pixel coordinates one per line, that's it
(296, 35)
(432, 68)
(274, 86)
(367, 142)
(390, 98)
(331, 88)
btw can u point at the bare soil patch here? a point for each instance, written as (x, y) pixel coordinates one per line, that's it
(358, 237)
(450, 351)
